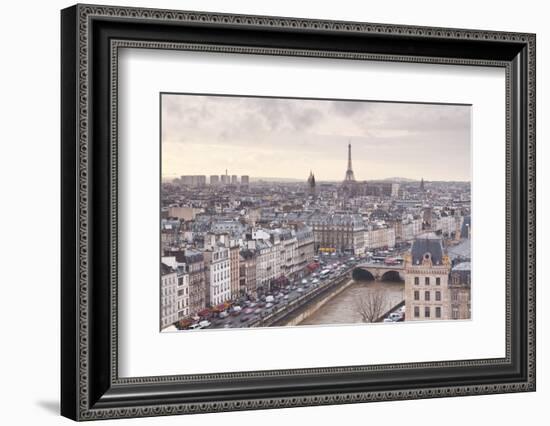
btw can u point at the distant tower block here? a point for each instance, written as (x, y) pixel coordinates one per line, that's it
(349, 172)
(245, 180)
(311, 184)
(422, 184)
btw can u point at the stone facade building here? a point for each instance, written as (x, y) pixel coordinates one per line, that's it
(342, 232)
(427, 268)
(194, 266)
(380, 189)
(234, 256)
(305, 248)
(460, 289)
(267, 264)
(218, 275)
(379, 237)
(168, 296)
(287, 243)
(182, 296)
(247, 272)
(407, 229)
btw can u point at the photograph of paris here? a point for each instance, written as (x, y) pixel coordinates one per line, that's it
(304, 212)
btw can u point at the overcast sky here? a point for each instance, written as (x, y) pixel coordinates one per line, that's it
(286, 138)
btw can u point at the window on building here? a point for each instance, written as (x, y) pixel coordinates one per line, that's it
(427, 280)
(416, 311)
(455, 313)
(438, 296)
(454, 296)
(438, 281)
(438, 312)
(416, 295)
(427, 312)
(427, 295)
(416, 280)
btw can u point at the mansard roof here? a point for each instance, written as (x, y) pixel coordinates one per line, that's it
(427, 244)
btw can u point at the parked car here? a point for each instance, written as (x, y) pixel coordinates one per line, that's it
(195, 326)
(395, 316)
(205, 324)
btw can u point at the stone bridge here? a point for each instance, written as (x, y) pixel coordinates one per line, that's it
(379, 272)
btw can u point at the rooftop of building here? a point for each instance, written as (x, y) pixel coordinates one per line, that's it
(337, 219)
(427, 244)
(463, 266)
(165, 269)
(460, 251)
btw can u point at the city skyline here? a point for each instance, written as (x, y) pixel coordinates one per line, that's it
(301, 180)
(200, 137)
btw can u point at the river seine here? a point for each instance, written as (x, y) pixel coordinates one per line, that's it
(342, 308)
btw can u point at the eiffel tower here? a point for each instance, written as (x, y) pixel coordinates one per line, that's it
(349, 172)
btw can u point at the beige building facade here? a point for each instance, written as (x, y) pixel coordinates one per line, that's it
(247, 272)
(427, 268)
(234, 269)
(381, 237)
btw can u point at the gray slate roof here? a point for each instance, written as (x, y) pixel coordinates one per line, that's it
(427, 243)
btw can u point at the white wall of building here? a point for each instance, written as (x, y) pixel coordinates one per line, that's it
(219, 278)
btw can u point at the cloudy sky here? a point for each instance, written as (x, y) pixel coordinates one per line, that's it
(286, 138)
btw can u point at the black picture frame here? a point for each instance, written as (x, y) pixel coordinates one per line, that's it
(90, 386)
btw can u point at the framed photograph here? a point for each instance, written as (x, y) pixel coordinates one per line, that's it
(264, 212)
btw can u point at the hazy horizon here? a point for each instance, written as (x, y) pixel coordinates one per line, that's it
(268, 138)
(302, 180)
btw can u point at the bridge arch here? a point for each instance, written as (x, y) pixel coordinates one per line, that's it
(361, 274)
(392, 276)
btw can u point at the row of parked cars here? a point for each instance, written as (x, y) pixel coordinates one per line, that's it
(246, 311)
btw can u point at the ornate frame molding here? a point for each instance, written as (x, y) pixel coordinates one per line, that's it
(82, 17)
